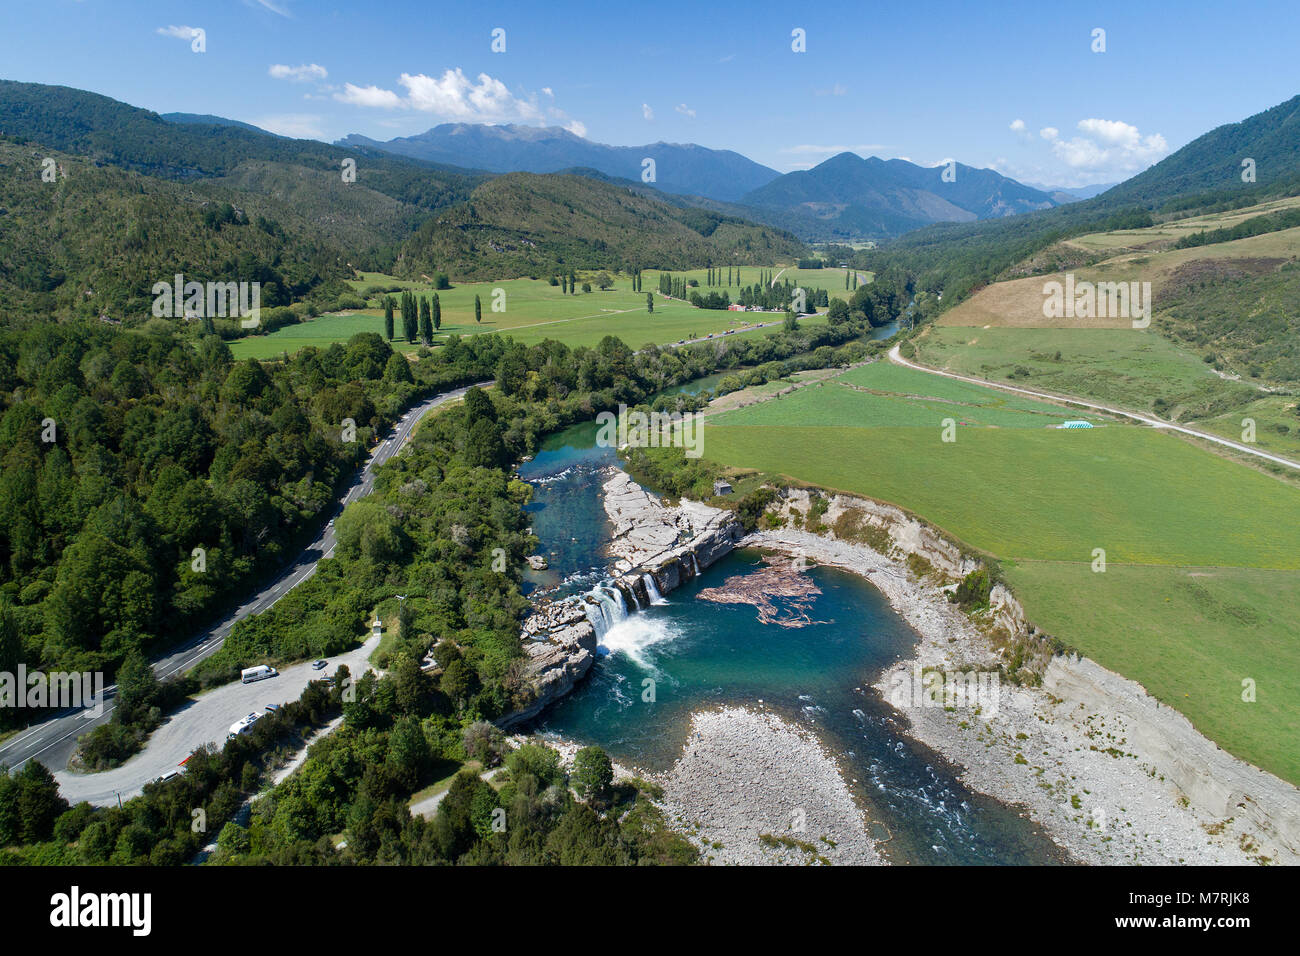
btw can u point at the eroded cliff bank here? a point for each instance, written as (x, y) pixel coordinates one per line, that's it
(1111, 773)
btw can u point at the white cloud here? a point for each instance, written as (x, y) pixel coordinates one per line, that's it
(368, 96)
(453, 95)
(1108, 147)
(1018, 126)
(837, 89)
(457, 96)
(180, 33)
(685, 110)
(298, 74)
(647, 112)
(297, 125)
(1104, 151)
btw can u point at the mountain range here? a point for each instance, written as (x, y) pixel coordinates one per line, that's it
(191, 183)
(679, 167)
(848, 197)
(138, 196)
(844, 198)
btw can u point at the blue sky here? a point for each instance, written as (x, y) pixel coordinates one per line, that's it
(924, 81)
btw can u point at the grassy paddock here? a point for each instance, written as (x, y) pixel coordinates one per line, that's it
(1136, 370)
(534, 310)
(1202, 580)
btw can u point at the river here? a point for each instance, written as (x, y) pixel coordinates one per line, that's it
(701, 654)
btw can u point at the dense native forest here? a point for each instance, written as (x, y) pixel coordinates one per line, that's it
(125, 452)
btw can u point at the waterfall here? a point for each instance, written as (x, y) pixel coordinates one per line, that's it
(651, 590)
(605, 607)
(695, 562)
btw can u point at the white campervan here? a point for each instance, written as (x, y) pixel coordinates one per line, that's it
(260, 672)
(242, 726)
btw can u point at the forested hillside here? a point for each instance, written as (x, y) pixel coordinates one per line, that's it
(526, 224)
(136, 199)
(1204, 176)
(123, 452)
(94, 241)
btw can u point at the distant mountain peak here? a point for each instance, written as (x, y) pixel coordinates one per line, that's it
(851, 197)
(683, 168)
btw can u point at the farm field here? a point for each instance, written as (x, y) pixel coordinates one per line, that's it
(1169, 232)
(1019, 302)
(534, 310)
(832, 280)
(900, 403)
(1041, 500)
(1131, 368)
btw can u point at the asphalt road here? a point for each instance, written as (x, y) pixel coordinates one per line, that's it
(54, 740)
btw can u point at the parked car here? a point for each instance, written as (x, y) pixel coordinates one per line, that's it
(272, 708)
(319, 665)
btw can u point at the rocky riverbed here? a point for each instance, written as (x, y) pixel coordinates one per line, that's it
(650, 536)
(753, 789)
(750, 788)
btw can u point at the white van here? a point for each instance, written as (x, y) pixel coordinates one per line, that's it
(242, 726)
(260, 672)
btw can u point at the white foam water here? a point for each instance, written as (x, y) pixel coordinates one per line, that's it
(634, 636)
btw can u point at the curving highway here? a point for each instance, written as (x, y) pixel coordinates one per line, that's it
(54, 740)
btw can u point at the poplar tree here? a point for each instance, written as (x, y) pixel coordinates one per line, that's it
(409, 316)
(436, 308)
(478, 309)
(388, 317)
